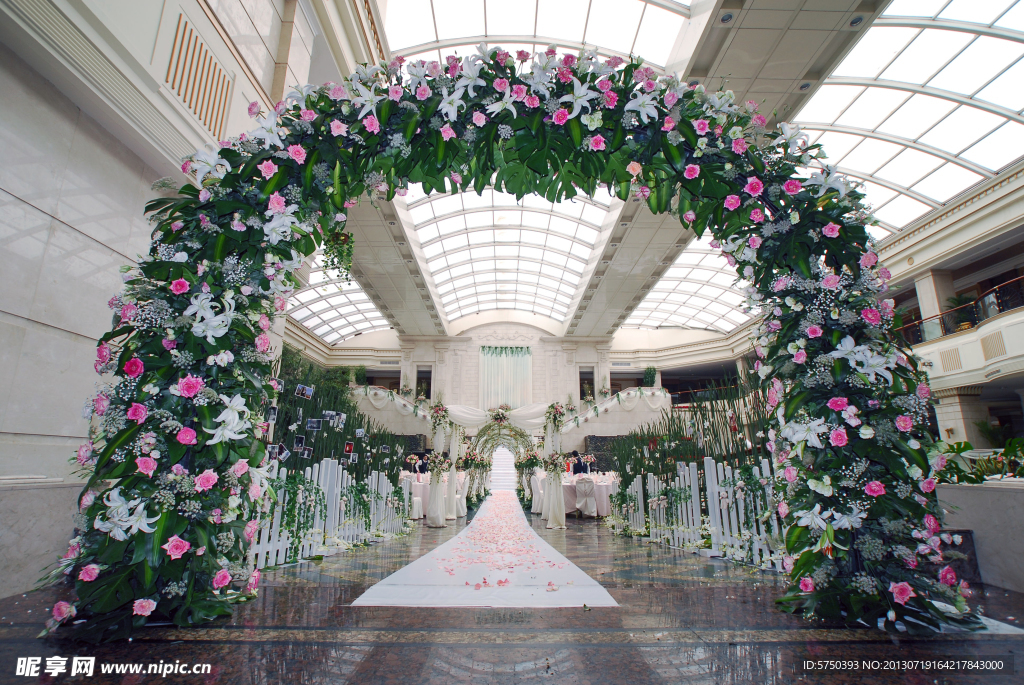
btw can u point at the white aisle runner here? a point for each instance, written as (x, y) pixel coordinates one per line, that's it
(497, 561)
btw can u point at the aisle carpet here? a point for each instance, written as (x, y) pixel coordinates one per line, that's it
(497, 561)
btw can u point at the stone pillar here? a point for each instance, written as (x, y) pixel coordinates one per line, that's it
(284, 46)
(957, 411)
(741, 366)
(657, 379)
(407, 368)
(571, 386)
(602, 372)
(933, 289)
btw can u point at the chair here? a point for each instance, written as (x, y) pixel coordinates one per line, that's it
(586, 502)
(417, 508)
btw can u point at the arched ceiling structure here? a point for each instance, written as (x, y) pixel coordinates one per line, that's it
(333, 309)
(433, 29)
(927, 104)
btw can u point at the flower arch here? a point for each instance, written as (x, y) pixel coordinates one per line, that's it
(177, 479)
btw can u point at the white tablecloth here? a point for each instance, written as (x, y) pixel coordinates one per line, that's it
(422, 489)
(604, 486)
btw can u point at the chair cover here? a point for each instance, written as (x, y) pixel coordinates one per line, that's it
(435, 503)
(586, 501)
(451, 488)
(417, 508)
(556, 515)
(538, 493)
(460, 497)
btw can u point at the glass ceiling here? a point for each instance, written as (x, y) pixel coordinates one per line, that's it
(699, 291)
(489, 252)
(926, 105)
(332, 309)
(430, 29)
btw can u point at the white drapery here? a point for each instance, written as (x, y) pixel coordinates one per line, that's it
(506, 376)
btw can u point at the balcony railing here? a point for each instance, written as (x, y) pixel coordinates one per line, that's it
(1003, 298)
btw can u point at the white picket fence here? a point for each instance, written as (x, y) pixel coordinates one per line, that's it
(742, 522)
(340, 522)
(634, 516)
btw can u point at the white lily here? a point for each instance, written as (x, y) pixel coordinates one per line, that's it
(828, 178)
(812, 517)
(792, 136)
(483, 52)
(300, 93)
(206, 163)
(539, 80)
(279, 228)
(232, 426)
(201, 306)
(268, 131)
(469, 77)
(643, 104)
(228, 431)
(722, 101)
(809, 432)
(139, 521)
(580, 97)
(847, 349)
(294, 263)
(450, 104)
(822, 487)
(876, 364)
(365, 72)
(505, 104)
(366, 98)
(418, 74)
(855, 519)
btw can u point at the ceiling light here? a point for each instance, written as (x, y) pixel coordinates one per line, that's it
(694, 83)
(805, 86)
(726, 18)
(856, 21)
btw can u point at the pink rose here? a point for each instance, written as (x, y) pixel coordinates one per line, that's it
(133, 368)
(423, 92)
(561, 116)
(923, 391)
(143, 607)
(928, 485)
(522, 55)
(62, 611)
(871, 315)
(792, 186)
(947, 576)
(176, 547)
(689, 216)
(875, 488)
(222, 578)
(186, 436)
(456, 178)
(759, 120)
(146, 465)
(395, 93)
(239, 468)
(447, 132)
(610, 99)
(838, 403)
(754, 241)
(790, 474)
(84, 452)
(806, 584)
(254, 109)
(670, 99)
(838, 437)
(267, 168)
(754, 186)
(298, 153)
(905, 423)
(604, 85)
(276, 204)
(868, 260)
(830, 282)
(532, 101)
(884, 274)
(783, 509)
(169, 344)
(255, 492)
(338, 128)
(501, 84)
(250, 531)
(701, 126)
(307, 115)
(100, 404)
(787, 563)
(597, 142)
(205, 480)
(643, 192)
(831, 230)
(739, 146)
(814, 331)
(732, 202)
(137, 413)
(339, 93)
(634, 168)
(254, 579)
(756, 215)
(190, 385)
(669, 124)
(479, 118)
(280, 304)
(264, 322)
(800, 357)
(179, 286)
(901, 592)
(89, 573)
(103, 353)
(262, 342)
(692, 171)
(931, 523)
(371, 124)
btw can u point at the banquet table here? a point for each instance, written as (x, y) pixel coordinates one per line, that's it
(604, 486)
(422, 489)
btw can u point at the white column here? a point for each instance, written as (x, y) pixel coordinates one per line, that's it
(933, 289)
(957, 411)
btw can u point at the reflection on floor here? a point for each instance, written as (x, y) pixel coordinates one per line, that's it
(682, 619)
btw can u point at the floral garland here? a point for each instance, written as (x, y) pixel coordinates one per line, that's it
(555, 416)
(438, 464)
(439, 416)
(500, 415)
(189, 353)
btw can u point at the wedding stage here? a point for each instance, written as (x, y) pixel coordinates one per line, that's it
(497, 561)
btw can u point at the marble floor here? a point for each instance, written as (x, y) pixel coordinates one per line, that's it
(681, 619)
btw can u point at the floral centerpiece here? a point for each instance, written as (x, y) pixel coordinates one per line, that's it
(405, 391)
(500, 415)
(438, 464)
(555, 415)
(588, 458)
(605, 392)
(439, 416)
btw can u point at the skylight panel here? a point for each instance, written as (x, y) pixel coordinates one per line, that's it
(998, 148)
(1013, 19)
(875, 50)
(457, 18)
(838, 145)
(562, 18)
(916, 116)
(976, 11)
(908, 167)
(658, 33)
(947, 182)
(422, 213)
(926, 55)
(828, 103)
(901, 211)
(1005, 90)
(512, 18)
(613, 23)
(979, 63)
(872, 107)
(870, 155)
(914, 8)
(961, 128)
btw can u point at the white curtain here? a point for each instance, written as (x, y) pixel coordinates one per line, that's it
(506, 377)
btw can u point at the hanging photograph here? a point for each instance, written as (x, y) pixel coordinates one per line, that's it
(272, 452)
(341, 419)
(299, 443)
(282, 452)
(314, 424)
(353, 459)
(360, 433)
(307, 391)
(349, 446)
(329, 415)
(385, 448)
(307, 452)
(272, 415)
(300, 390)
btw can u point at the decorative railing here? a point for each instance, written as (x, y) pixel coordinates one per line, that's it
(1002, 298)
